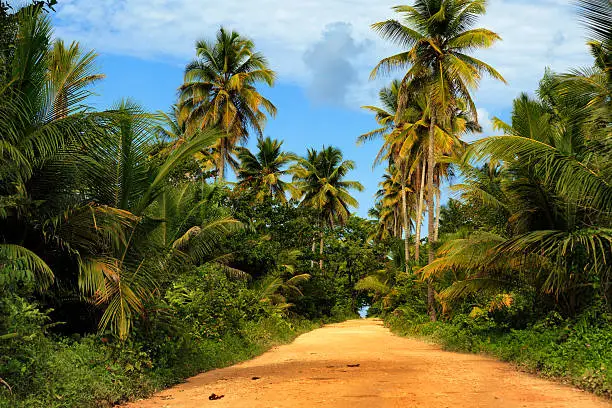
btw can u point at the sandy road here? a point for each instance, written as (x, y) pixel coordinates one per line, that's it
(313, 371)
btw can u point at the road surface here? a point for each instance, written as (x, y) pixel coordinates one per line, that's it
(359, 363)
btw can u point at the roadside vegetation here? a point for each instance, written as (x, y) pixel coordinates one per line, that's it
(519, 260)
(128, 261)
(139, 248)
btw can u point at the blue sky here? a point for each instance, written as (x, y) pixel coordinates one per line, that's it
(323, 51)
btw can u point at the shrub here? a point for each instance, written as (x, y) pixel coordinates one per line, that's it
(578, 350)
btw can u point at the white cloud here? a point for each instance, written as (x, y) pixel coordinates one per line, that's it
(536, 34)
(330, 63)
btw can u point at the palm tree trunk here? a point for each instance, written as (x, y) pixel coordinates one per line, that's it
(397, 228)
(321, 251)
(419, 219)
(430, 219)
(223, 151)
(221, 165)
(437, 222)
(314, 245)
(406, 227)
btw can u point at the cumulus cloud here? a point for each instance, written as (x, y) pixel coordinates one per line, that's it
(535, 34)
(331, 64)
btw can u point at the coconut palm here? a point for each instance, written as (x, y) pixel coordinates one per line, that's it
(385, 114)
(262, 172)
(71, 73)
(405, 143)
(437, 38)
(320, 184)
(552, 188)
(385, 221)
(118, 172)
(389, 196)
(42, 120)
(399, 132)
(219, 90)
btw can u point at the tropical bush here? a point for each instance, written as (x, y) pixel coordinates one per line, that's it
(576, 350)
(519, 262)
(127, 263)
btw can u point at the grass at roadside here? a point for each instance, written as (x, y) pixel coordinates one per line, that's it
(90, 372)
(578, 352)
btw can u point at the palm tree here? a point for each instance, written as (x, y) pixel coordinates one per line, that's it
(262, 172)
(319, 182)
(275, 287)
(399, 132)
(172, 131)
(41, 120)
(437, 36)
(118, 172)
(190, 224)
(389, 196)
(71, 73)
(594, 83)
(551, 185)
(385, 115)
(405, 143)
(219, 90)
(385, 221)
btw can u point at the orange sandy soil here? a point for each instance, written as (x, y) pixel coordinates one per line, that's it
(313, 371)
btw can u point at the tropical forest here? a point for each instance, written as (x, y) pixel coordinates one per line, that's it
(196, 255)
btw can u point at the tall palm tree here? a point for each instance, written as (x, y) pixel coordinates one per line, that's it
(385, 114)
(262, 172)
(400, 131)
(437, 38)
(320, 184)
(219, 90)
(390, 198)
(405, 142)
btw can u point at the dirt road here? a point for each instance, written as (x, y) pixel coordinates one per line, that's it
(361, 364)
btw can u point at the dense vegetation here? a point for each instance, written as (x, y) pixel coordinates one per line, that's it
(129, 260)
(520, 265)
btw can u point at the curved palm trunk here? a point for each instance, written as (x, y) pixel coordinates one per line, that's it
(406, 227)
(430, 219)
(419, 219)
(437, 222)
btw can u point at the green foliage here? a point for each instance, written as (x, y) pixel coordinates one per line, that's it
(321, 185)
(213, 322)
(541, 205)
(209, 304)
(219, 90)
(577, 350)
(262, 173)
(121, 269)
